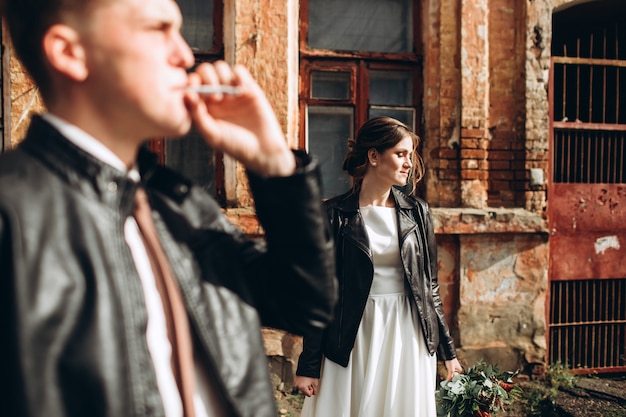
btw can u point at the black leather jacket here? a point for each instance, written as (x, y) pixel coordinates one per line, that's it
(72, 309)
(355, 271)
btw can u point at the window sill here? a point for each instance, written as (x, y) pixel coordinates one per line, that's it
(447, 221)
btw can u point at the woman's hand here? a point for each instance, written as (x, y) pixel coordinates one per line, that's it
(307, 386)
(453, 366)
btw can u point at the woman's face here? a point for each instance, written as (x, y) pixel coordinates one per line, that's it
(393, 166)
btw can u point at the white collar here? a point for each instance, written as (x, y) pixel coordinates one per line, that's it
(89, 144)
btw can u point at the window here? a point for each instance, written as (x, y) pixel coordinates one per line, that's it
(359, 59)
(190, 155)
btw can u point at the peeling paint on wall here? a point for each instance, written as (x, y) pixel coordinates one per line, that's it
(606, 242)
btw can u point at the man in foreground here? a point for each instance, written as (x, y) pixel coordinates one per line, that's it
(124, 290)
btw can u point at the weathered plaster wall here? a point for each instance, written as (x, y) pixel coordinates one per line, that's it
(475, 106)
(260, 35)
(502, 298)
(25, 101)
(442, 101)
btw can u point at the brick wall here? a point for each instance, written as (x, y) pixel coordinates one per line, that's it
(476, 100)
(485, 127)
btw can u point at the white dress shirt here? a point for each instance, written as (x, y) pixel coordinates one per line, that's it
(205, 400)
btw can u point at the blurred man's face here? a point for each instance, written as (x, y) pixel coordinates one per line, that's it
(137, 61)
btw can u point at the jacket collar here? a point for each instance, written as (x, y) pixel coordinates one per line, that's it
(350, 201)
(81, 170)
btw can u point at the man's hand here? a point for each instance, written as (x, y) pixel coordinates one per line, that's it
(243, 126)
(308, 386)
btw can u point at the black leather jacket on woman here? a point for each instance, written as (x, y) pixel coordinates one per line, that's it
(72, 309)
(355, 271)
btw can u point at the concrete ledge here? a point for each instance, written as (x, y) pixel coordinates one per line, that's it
(463, 221)
(447, 221)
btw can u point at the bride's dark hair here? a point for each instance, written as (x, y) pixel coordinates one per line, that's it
(380, 133)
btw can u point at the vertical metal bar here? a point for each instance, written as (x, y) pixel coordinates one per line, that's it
(597, 348)
(621, 291)
(596, 158)
(586, 155)
(601, 348)
(604, 90)
(550, 319)
(602, 158)
(559, 334)
(591, 80)
(605, 301)
(552, 340)
(566, 346)
(560, 301)
(622, 142)
(575, 330)
(562, 143)
(589, 295)
(588, 162)
(564, 86)
(610, 156)
(555, 341)
(620, 342)
(615, 154)
(578, 80)
(566, 158)
(576, 159)
(614, 358)
(611, 324)
(620, 337)
(617, 70)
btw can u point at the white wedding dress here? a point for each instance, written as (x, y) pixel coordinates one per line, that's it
(390, 372)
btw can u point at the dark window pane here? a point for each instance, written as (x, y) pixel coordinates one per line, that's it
(193, 158)
(361, 25)
(330, 85)
(394, 88)
(329, 129)
(198, 29)
(406, 116)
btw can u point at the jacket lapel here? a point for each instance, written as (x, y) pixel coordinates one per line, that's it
(407, 223)
(352, 226)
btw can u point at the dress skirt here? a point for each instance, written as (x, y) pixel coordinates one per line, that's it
(390, 372)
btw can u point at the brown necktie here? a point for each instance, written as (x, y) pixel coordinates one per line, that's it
(173, 306)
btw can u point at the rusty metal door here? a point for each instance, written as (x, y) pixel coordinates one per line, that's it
(587, 198)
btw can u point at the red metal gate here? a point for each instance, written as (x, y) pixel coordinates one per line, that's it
(587, 201)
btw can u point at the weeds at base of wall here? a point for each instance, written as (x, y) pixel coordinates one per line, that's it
(289, 405)
(538, 396)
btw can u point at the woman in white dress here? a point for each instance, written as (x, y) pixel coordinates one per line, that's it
(378, 356)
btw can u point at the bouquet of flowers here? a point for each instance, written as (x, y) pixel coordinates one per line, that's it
(480, 392)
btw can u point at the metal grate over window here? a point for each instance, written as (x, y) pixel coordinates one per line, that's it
(589, 100)
(588, 323)
(589, 156)
(587, 97)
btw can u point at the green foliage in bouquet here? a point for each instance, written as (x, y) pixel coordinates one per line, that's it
(480, 392)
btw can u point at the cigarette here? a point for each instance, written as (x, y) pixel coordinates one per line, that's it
(214, 89)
